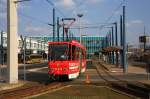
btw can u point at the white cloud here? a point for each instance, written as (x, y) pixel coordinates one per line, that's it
(82, 9)
(137, 22)
(66, 3)
(95, 1)
(134, 23)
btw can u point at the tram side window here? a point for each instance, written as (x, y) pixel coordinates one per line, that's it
(77, 54)
(69, 52)
(49, 52)
(82, 55)
(73, 52)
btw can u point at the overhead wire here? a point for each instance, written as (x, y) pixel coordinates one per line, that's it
(52, 4)
(111, 16)
(36, 19)
(101, 25)
(81, 3)
(33, 18)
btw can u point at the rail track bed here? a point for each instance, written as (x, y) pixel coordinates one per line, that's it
(26, 91)
(133, 88)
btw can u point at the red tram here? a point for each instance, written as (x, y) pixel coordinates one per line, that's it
(66, 59)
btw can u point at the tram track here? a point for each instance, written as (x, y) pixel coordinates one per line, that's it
(133, 88)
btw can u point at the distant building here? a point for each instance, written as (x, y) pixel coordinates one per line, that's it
(144, 43)
(32, 46)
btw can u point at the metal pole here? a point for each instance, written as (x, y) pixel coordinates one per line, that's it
(144, 46)
(116, 33)
(58, 29)
(30, 45)
(102, 44)
(41, 46)
(63, 30)
(70, 35)
(80, 29)
(44, 44)
(124, 43)
(144, 40)
(109, 37)
(80, 15)
(2, 50)
(24, 58)
(116, 41)
(66, 32)
(112, 34)
(80, 43)
(2, 55)
(112, 44)
(106, 40)
(44, 50)
(121, 42)
(38, 45)
(53, 24)
(12, 56)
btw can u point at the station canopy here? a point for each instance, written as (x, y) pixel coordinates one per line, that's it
(111, 49)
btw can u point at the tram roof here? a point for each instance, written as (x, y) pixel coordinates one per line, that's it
(73, 42)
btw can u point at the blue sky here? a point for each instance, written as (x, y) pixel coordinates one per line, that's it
(36, 14)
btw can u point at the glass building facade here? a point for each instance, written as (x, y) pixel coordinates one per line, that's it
(92, 43)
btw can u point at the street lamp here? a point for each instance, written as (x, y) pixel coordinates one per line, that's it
(80, 15)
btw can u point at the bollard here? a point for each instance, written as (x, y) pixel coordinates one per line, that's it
(87, 79)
